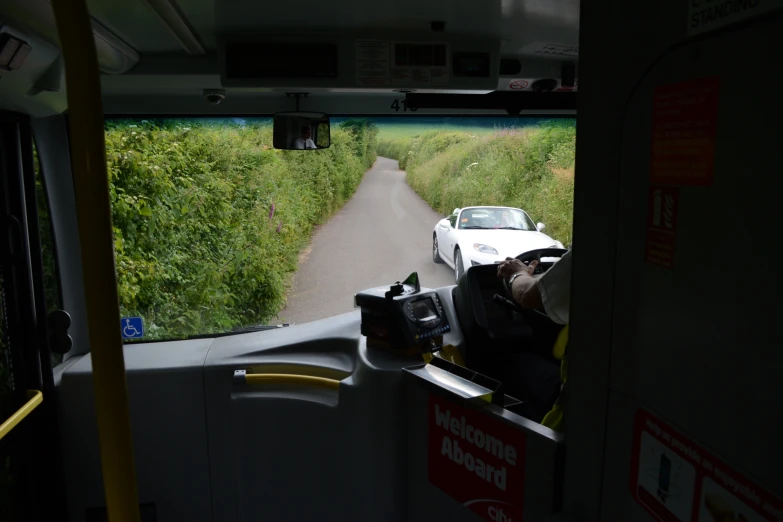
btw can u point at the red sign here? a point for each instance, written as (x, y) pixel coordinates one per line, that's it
(685, 125)
(678, 481)
(564, 88)
(662, 226)
(518, 84)
(477, 460)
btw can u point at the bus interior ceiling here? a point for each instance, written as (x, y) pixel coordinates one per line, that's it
(673, 355)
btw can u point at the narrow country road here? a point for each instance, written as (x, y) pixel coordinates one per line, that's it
(380, 236)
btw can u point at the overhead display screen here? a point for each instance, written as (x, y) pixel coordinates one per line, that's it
(271, 60)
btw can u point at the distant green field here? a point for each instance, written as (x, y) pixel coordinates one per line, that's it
(393, 131)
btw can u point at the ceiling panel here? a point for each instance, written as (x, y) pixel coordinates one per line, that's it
(519, 23)
(201, 15)
(468, 16)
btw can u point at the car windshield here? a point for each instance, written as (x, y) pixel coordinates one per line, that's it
(495, 218)
(216, 231)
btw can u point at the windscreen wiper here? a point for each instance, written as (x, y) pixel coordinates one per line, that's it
(249, 329)
(510, 228)
(474, 227)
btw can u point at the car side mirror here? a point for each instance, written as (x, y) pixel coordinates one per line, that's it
(540, 227)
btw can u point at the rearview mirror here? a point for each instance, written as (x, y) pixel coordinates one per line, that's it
(301, 131)
(540, 227)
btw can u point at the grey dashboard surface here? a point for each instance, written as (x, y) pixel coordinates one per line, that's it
(329, 343)
(168, 426)
(189, 420)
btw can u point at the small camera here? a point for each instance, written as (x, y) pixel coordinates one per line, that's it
(214, 96)
(438, 26)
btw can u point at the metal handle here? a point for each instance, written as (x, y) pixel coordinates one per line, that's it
(35, 399)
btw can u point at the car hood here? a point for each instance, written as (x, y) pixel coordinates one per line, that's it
(508, 243)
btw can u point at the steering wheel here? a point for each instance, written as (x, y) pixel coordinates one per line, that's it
(543, 266)
(536, 255)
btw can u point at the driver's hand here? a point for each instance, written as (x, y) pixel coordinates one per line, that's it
(512, 266)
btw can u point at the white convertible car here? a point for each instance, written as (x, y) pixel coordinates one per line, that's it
(485, 235)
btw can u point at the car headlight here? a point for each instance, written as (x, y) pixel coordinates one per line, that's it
(485, 249)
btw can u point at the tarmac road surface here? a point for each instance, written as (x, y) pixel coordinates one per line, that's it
(380, 236)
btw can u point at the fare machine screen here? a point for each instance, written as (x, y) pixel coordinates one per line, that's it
(425, 316)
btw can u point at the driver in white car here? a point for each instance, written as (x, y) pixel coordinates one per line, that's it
(505, 219)
(552, 292)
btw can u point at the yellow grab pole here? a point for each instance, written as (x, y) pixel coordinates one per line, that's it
(286, 378)
(34, 398)
(91, 187)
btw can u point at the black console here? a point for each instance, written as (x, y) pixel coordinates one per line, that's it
(403, 316)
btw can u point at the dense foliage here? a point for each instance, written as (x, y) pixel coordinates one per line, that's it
(532, 169)
(209, 219)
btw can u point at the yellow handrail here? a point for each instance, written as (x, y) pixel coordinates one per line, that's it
(285, 378)
(96, 237)
(35, 398)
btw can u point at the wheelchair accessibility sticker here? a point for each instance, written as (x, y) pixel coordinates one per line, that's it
(131, 327)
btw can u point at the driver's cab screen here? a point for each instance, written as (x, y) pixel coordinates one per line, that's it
(424, 309)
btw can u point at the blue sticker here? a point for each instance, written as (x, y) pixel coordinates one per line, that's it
(131, 327)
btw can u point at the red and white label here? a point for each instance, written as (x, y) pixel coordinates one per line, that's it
(678, 481)
(571, 88)
(518, 85)
(685, 125)
(477, 460)
(661, 239)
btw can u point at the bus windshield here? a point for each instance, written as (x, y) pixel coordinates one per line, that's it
(215, 231)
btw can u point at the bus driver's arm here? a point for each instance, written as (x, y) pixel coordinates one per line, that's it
(524, 289)
(552, 291)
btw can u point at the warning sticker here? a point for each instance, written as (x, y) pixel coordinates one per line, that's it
(704, 15)
(678, 481)
(372, 62)
(662, 226)
(518, 85)
(685, 125)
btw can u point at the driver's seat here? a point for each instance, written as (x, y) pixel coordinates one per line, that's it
(516, 351)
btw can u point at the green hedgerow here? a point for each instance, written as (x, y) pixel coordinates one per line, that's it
(209, 219)
(531, 168)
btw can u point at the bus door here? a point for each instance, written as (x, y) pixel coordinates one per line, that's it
(31, 457)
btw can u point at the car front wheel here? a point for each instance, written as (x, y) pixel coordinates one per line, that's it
(435, 251)
(458, 269)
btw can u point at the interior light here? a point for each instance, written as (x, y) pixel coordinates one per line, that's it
(13, 52)
(114, 55)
